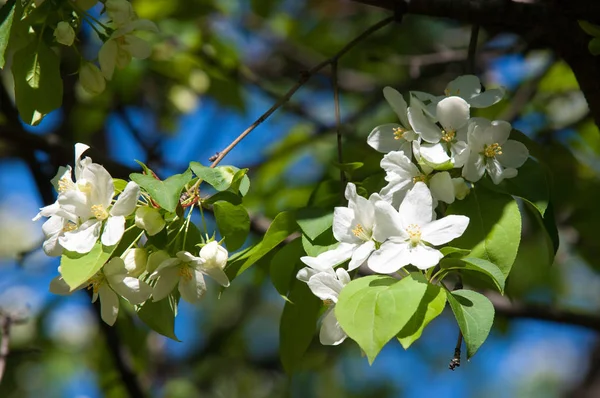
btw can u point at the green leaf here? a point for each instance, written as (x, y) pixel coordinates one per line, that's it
(76, 268)
(373, 309)
(314, 221)
(160, 316)
(475, 316)
(285, 265)
(226, 196)
(297, 326)
(233, 222)
(7, 15)
(282, 226)
(222, 177)
(467, 266)
(594, 46)
(119, 185)
(454, 252)
(38, 84)
(590, 28)
(240, 183)
(494, 230)
(321, 244)
(348, 167)
(166, 193)
(326, 194)
(432, 304)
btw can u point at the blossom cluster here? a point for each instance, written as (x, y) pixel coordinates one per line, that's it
(434, 154)
(91, 213)
(120, 42)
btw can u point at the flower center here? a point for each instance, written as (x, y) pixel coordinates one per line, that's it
(328, 302)
(399, 132)
(490, 151)
(414, 233)
(69, 226)
(449, 93)
(65, 184)
(185, 271)
(419, 178)
(448, 136)
(99, 212)
(95, 282)
(361, 233)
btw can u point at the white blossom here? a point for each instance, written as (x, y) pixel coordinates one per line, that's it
(491, 150)
(186, 272)
(353, 228)
(64, 33)
(409, 233)
(393, 136)
(149, 219)
(91, 78)
(402, 175)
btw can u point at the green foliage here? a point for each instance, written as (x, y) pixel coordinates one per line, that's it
(297, 326)
(373, 309)
(475, 270)
(38, 84)
(7, 16)
(160, 316)
(77, 269)
(233, 222)
(475, 316)
(494, 230)
(223, 178)
(284, 266)
(314, 221)
(166, 193)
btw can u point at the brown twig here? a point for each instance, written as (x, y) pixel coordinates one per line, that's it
(472, 49)
(455, 362)
(338, 122)
(304, 77)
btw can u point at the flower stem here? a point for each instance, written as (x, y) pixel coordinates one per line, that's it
(187, 225)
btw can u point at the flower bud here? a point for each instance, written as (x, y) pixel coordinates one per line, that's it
(149, 219)
(155, 259)
(120, 11)
(214, 255)
(85, 4)
(135, 261)
(461, 188)
(91, 79)
(64, 33)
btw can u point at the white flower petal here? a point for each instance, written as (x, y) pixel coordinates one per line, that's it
(398, 163)
(330, 258)
(107, 57)
(192, 289)
(361, 254)
(138, 48)
(398, 104)
(331, 332)
(217, 274)
(474, 167)
(389, 258)
(114, 228)
(155, 259)
(214, 256)
(434, 153)
(495, 171)
(514, 154)
(382, 138)
(444, 230)
(499, 131)
(103, 188)
(427, 129)
(325, 286)
(343, 222)
(342, 276)
(453, 113)
(83, 239)
(165, 264)
(125, 204)
(109, 304)
(131, 289)
(487, 98)
(459, 153)
(441, 187)
(424, 257)
(417, 206)
(466, 86)
(388, 223)
(116, 266)
(149, 219)
(167, 280)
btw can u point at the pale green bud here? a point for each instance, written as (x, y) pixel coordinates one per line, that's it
(155, 259)
(135, 261)
(64, 33)
(120, 11)
(149, 219)
(91, 78)
(461, 188)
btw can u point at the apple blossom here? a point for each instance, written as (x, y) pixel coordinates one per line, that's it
(409, 233)
(491, 150)
(353, 228)
(91, 78)
(64, 33)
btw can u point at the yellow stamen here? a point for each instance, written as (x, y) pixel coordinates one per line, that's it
(491, 151)
(448, 136)
(414, 233)
(70, 226)
(65, 184)
(95, 282)
(399, 132)
(328, 302)
(185, 272)
(361, 233)
(99, 212)
(419, 178)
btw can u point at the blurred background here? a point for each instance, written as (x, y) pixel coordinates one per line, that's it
(215, 68)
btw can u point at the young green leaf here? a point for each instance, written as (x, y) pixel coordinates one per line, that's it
(590, 28)
(297, 326)
(373, 309)
(321, 244)
(475, 316)
(314, 221)
(38, 84)
(77, 268)
(285, 265)
(222, 177)
(482, 268)
(160, 316)
(454, 252)
(430, 307)
(233, 222)
(7, 16)
(166, 193)
(119, 185)
(494, 232)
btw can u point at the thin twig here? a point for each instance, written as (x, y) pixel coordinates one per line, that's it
(338, 122)
(5, 323)
(472, 49)
(455, 362)
(304, 77)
